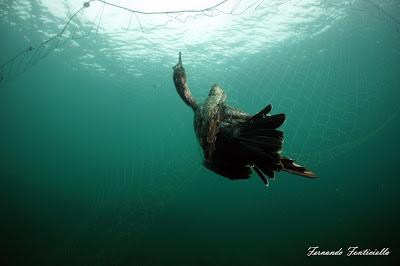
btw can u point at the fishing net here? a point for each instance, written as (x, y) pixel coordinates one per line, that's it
(320, 62)
(280, 55)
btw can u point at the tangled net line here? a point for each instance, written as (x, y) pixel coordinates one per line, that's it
(122, 194)
(31, 55)
(130, 197)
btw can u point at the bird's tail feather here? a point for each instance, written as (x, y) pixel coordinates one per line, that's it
(262, 142)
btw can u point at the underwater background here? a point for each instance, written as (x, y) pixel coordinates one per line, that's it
(99, 164)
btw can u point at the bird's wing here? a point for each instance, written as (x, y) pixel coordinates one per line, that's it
(234, 113)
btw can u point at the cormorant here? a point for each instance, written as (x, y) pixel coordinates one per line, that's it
(233, 141)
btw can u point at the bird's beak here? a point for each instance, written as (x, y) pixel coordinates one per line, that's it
(179, 62)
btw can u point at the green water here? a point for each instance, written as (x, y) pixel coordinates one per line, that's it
(99, 164)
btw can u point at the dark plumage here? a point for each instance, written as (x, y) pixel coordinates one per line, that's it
(233, 141)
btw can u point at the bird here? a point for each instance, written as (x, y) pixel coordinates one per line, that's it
(234, 143)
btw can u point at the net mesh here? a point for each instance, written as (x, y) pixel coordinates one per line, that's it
(331, 90)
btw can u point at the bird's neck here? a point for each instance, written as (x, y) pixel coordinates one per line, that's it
(183, 89)
(187, 96)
